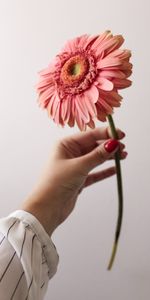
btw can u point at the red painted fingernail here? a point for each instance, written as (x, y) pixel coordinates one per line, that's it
(111, 145)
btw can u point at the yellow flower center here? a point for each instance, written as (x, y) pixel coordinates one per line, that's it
(74, 70)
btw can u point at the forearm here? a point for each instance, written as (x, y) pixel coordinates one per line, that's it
(40, 205)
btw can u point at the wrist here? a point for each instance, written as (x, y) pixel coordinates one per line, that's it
(43, 210)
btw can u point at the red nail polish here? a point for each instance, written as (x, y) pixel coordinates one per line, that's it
(111, 145)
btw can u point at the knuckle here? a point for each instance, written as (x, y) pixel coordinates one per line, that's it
(108, 132)
(100, 154)
(58, 142)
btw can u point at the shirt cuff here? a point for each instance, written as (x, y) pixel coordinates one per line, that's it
(47, 245)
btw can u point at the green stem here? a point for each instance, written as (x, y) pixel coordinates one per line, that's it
(120, 194)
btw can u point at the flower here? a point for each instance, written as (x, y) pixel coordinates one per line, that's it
(83, 80)
(81, 84)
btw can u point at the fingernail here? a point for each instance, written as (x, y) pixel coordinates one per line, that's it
(125, 153)
(111, 145)
(123, 134)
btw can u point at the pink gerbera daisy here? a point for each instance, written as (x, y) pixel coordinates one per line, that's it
(82, 82)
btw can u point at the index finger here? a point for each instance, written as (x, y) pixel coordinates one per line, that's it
(87, 140)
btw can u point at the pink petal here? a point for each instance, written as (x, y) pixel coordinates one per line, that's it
(66, 119)
(92, 93)
(114, 95)
(123, 54)
(58, 119)
(57, 114)
(60, 115)
(121, 83)
(91, 124)
(85, 107)
(112, 73)
(104, 84)
(91, 107)
(79, 121)
(127, 73)
(126, 66)
(110, 45)
(43, 85)
(71, 120)
(90, 41)
(45, 97)
(53, 103)
(112, 98)
(100, 40)
(54, 108)
(50, 104)
(101, 113)
(73, 105)
(81, 110)
(102, 116)
(76, 43)
(106, 106)
(108, 62)
(82, 40)
(113, 103)
(44, 103)
(64, 107)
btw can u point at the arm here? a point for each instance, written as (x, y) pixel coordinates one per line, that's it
(28, 258)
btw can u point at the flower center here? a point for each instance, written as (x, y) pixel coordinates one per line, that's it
(74, 70)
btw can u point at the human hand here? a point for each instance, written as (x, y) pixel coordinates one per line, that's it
(67, 173)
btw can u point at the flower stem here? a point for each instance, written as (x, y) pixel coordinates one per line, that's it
(120, 194)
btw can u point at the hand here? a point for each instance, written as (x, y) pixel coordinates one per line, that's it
(67, 173)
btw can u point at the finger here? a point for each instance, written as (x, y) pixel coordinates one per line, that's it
(98, 176)
(97, 156)
(120, 133)
(122, 155)
(87, 140)
(121, 145)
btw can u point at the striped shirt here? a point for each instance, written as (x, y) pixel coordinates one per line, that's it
(28, 257)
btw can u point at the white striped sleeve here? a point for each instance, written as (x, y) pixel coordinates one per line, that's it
(28, 257)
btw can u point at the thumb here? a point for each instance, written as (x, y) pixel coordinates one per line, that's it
(99, 155)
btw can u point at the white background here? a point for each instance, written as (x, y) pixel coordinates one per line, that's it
(31, 33)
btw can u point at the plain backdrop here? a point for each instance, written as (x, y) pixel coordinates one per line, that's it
(31, 33)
